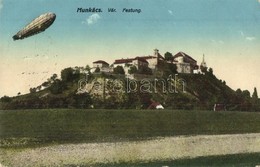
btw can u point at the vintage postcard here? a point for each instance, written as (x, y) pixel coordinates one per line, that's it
(129, 83)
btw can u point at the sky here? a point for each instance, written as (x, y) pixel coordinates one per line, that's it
(227, 32)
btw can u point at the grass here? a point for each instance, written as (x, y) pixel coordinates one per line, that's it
(242, 160)
(47, 126)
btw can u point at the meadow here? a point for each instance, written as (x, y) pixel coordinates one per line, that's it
(30, 128)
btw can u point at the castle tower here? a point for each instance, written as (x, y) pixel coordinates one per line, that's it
(156, 52)
(203, 63)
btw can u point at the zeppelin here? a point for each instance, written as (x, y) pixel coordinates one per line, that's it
(38, 25)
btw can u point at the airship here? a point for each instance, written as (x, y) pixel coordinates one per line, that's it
(38, 25)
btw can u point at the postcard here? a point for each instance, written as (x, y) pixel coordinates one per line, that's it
(129, 83)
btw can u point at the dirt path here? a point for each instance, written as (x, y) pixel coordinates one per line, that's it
(167, 148)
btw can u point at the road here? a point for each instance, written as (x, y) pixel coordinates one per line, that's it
(167, 148)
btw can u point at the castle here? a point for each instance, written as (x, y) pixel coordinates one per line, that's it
(184, 63)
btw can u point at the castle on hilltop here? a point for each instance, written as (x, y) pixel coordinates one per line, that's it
(184, 63)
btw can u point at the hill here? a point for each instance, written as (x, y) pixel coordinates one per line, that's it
(113, 90)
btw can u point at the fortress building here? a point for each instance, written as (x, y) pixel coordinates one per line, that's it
(184, 63)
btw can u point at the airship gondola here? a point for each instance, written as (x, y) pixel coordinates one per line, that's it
(38, 25)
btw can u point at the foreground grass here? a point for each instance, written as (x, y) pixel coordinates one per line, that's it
(243, 160)
(36, 127)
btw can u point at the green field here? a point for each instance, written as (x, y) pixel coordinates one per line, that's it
(28, 128)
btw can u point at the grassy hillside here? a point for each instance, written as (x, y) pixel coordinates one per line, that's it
(34, 127)
(201, 93)
(208, 90)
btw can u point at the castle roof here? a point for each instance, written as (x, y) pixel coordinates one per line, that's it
(152, 57)
(100, 61)
(148, 57)
(160, 56)
(141, 59)
(123, 61)
(182, 54)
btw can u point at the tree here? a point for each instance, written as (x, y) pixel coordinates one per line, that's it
(82, 100)
(76, 74)
(32, 90)
(173, 68)
(45, 84)
(87, 68)
(239, 92)
(209, 73)
(246, 94)
(6, 99)
(57, 87)
(67, 74)
(168, 56)
(132, 70)
(145, 70)
(211, 70)
(204, 69)
(97, 70)
(38, 88)
(53, 77)
(255, 100)
(169, 69)
(246, 101)
(254, 95)
(119, 70)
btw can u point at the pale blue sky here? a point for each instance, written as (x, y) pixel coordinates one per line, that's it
(226, 31)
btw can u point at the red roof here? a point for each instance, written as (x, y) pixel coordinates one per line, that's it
(121, 61)
(152, 57)
(100, 61)
(141, 59)
(153, 105)
(148, 57)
